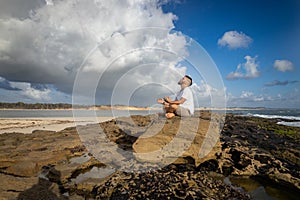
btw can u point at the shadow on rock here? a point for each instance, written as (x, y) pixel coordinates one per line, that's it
(49, 187)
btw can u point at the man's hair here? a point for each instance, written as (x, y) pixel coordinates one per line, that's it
(190, 79)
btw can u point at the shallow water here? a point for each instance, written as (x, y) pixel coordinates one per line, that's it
(262, 191)
(81, 159)
(69, 113)
(94, 173)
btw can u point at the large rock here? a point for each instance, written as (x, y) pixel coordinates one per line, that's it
(24, 157)
(190, 140)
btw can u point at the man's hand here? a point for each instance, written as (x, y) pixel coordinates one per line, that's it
(167, 99)
(161, 101)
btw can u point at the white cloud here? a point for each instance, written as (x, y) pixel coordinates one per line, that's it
(203, 94)
(246, 94)
(37, 95)
(286, 99)
(27, 90)
(49, 2)
(49, 45)
(283, 65)
(260, 98)
(249, 99)
(249, 70)
(234, 40)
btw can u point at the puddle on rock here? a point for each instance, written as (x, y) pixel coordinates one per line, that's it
(81, 159)
(94, 173)
(259, 191)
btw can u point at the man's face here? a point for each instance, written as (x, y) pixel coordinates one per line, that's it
(183, 80)
(180, 82)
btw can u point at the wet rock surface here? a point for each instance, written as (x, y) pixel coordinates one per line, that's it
(65, 165)
(261, 148)
(171, 182)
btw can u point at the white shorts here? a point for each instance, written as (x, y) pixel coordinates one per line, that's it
(183, 112)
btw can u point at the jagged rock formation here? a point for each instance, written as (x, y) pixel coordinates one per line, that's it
(108, 161)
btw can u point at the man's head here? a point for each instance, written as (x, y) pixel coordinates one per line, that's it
(186, 81)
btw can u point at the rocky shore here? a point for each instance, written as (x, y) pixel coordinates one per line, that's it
(191, 159)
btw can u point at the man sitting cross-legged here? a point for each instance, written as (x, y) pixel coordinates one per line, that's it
(183, 105)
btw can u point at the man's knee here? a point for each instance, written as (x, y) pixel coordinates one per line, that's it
(183, 112)
(174, 107)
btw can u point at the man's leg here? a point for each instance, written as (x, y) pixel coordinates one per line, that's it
(170, 110)
(182, 112)
(169, 115)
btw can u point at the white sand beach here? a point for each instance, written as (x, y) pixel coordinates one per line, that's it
(27, 125)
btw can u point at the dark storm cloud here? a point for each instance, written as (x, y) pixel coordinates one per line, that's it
(38, 86)
(282, 83)
(5, 84)
(19, 8)
(38, 77)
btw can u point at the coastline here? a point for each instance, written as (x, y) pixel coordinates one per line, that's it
(136, 108)
(248, 147)
(28, 120)
(30, 124)
(86, 108)
(27, 125)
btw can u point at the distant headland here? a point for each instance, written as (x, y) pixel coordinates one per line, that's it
(67, 106)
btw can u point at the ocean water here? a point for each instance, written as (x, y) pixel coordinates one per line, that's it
(286, 115)
(293, 114)
(68, 113)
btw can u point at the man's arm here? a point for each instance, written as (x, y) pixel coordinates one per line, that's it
(177, 102)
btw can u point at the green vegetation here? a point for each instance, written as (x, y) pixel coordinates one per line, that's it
(272, 126)
(21, 105)
(285, 132)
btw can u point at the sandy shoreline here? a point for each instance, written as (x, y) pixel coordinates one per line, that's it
(27, 125)
(136, 108)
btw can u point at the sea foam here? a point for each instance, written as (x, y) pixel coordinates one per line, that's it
(297, 124)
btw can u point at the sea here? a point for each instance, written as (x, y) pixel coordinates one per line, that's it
(35, 113)
(288, 117)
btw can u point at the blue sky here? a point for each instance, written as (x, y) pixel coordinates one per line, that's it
(45, 44)
(273, 26)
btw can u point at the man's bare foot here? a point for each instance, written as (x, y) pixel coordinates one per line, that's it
(170, 115)
(161, 101)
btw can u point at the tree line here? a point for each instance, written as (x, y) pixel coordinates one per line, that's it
(21, 105)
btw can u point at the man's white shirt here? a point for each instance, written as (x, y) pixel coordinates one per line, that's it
(188, 95)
